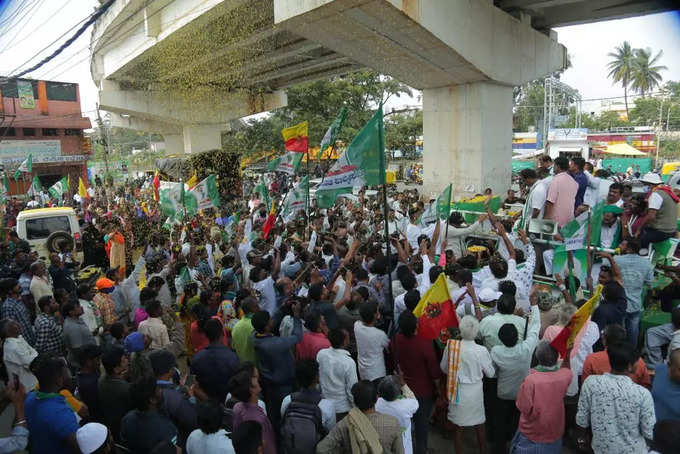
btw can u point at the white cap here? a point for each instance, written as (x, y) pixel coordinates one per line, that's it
(91, 437)
(486, 295)
(651, 178)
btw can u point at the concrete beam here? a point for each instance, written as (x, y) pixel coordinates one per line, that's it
(467, 138)
(216, 107)
(588, 11)
(139, 124)
(174, 144)
(199, 138)
(427, 43)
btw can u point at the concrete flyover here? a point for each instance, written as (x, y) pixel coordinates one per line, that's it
(232, 58)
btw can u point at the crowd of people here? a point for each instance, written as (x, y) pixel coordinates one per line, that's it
(226, 333)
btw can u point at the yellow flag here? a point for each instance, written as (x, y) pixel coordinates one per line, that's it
(82, 190)
(191, 182)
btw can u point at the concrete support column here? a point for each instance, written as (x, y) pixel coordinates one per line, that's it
(467, 138)
(174, 143)
(199, 138)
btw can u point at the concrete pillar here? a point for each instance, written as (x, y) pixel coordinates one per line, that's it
(467, 138)
(174, 143)
(199, 138)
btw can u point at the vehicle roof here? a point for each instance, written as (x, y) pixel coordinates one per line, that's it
(39, 212)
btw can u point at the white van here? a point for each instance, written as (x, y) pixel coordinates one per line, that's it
(44, 228)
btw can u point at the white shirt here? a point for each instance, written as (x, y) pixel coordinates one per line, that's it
(399, 306)
(216, 443)
(403, 410)
(18, 355)
(327, 411)
(607, 234)
(337, 375)
(475, 362)
(267, 294)
(655, 201)
(340, 285)
(371, 342)
(412, 234)
(492, 281)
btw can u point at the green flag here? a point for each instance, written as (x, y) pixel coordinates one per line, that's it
(58, 189)
(440, 208)
(296, 200)
(596, 216)
(288, 163)
(333, 130)
(262, 189)
(26, 167)
(206, 193)
(363, 163)
(4, 194)
(176, 201)
(36, 187)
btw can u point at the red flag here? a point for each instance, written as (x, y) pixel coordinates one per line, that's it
(435, 311)
(156, 183)
(269, 223)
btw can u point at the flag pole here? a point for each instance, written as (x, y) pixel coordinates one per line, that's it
(589, 265)
(307, 210)
(448, 210)
(388, 252)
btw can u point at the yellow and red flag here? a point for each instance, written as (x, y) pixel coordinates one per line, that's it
(435, 310)
(296, 137)
(269, 223)
(565, 338)
(156, 183)
(193, 181)
(82, 190)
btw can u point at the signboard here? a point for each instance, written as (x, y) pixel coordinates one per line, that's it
(20, 149)
(47, 159)
(25, 91)
(572, 244)
(568, 134)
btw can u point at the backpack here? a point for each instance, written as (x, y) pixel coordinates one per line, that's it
(301, 428)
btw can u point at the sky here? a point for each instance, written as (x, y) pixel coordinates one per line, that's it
(39, 23)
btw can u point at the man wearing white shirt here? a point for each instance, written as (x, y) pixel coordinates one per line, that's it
(337, 372)
(458, 233)
(538, 183)
(371, 343)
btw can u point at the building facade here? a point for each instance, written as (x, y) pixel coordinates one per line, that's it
(43, 119)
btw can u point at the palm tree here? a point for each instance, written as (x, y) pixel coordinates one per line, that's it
(645, 76)
(621, 67)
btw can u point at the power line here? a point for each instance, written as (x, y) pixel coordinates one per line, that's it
(15, 13)
(49, 18)
(35, 4)
(102, 9)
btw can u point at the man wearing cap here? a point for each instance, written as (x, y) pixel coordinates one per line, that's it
(661, 221)
(94, 437)
(104, 301)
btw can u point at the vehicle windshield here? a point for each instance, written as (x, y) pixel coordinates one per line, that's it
(40, 228)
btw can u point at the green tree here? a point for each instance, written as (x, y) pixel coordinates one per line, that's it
(607, 120)
(645, 75)
(402, 130)
(318, 103)
(621, 68)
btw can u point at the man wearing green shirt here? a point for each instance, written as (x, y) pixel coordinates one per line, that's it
(241, 335)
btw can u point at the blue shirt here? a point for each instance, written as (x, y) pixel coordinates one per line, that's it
(50, 421)
(582, 180)
(213, 367)
(666, 394)
(635, 272)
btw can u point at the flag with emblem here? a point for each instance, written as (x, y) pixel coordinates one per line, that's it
(362, 163)
(206, 193)
(295, 200)
(25, 167)
(58, 189)
(440, 208)
(288, 163)
(333, 130)
(435, 310)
